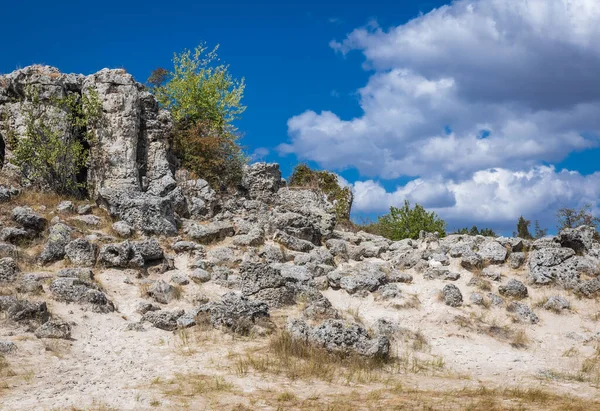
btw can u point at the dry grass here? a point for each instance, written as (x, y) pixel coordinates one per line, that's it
(396, 397)
(298, 360)
(409, 302)
(519, 339)
(190, 385)
(588, 372)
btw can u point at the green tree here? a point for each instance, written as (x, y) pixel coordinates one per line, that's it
(407, 222)
(572, 218)
(523, 228)
(53, 153)
(205, 100)
(327, 183)
(487, 232)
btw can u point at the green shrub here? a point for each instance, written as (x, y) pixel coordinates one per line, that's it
(204, 100)
(53, 153)
(407, 222)
(327, 183)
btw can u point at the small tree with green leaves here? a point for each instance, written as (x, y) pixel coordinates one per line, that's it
(327, 183)
(407, 222)
(54, 150)
(523, 228)
(205, 100)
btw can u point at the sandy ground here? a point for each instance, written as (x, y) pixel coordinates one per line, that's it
(106, 367)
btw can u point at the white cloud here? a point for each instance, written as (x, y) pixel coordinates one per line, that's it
(259, 154)
(496, 197)
(522, 73)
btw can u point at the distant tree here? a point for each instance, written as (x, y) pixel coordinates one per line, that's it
(487, 232)
(571, 217)
(538, 231)
(407, 222)
(523, 228)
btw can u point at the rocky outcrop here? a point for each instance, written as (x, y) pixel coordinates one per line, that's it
(130, 173)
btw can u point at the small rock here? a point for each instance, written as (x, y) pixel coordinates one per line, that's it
(84, 209)
(180, 278)
(122, 229)
(516, 260)
(7, 347)
(54, 329)
(88, 219)
(200, 276)
(523, 312)
(65, 207)
(162, 292)
(557, 303)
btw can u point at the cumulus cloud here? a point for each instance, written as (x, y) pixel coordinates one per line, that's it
(496, 197)
(466, 87)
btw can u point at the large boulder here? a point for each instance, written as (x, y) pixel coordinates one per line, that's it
(209, 233)
(129, 171)
(579, 239)
(8, 270)
(81, 252)
(261, 181)
(26, 217)
(340, 336)
(76, 290)
(54, 249)
(235, 313)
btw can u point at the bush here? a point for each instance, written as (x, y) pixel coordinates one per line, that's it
(204, 100)
(327, 183)
(54, 151)
(407, 222)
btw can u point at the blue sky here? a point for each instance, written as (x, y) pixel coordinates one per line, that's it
(481, 110)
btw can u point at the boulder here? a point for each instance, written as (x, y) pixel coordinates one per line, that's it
(523, 312)
(8, 270)
(54, 249)
(24, 310)
(54, 329)
(452, 295)
(209, 233)
(440, 274)
(81, 252)
(557, 303)
(578, 239)
(75, 290)
(162, 292)
(340, 336)
(493, 252)
(235, 313)
(292, 242)
(513, 289)
(26, 217)
(200, 276)
(7, 347)
(16, 235)
(261, 181)
(123, 229)
(516, 260)
(164, 320)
